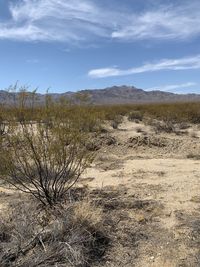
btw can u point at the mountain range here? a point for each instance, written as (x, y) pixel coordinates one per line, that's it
(111, 95)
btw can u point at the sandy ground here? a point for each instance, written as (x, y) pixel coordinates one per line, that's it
(157, 177)
(162, 174)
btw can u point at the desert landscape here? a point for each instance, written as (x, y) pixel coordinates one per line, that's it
(99, 133)
(156, 177)
(139, 197)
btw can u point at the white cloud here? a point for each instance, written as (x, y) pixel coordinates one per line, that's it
(172, 87)
(185, 63)
(84, 20)
(166, 22)
(57, 20)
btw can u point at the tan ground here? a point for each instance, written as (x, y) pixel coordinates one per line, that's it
(161, 174)
(158, 196)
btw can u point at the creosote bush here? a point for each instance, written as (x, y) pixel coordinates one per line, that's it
(44, 147)
(45, 157)
(44, 161)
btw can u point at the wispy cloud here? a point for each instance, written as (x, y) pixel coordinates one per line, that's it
(77, 21)
(185, 63)
(172, 87)
(57, 20)
(181, 21)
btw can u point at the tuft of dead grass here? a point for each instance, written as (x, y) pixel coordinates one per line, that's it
(73, 235)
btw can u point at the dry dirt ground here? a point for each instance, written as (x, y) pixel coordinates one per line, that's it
(148, 185)
(156, 180)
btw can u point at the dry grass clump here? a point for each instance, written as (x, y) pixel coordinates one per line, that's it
(73, 235)
(167, 126)
(183, 126)
(193, 156)
(117, 120)
(135, 116)
(2, 127)
(146, 140)
(162, 126)
(98, 141)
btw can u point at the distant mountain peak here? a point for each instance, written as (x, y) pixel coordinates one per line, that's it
(122, 94)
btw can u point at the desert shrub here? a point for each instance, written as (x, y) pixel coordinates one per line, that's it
(135, 115)
(114, 124)
(2, 126)
(117, 120)
(163, 126)
(183, 126)
(146, 140)
(44, 158)
(73, 235)
(96, 142)
(193, 156)
(44, 161)
(86, 119)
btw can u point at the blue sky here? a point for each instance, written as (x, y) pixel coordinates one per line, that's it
(68, 45)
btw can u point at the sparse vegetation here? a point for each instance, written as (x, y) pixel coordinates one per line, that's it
(135, 115)
(44, 151)
(46, 158)
(163, 126)
(73, 235)
(193, 156)
(117, 120)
